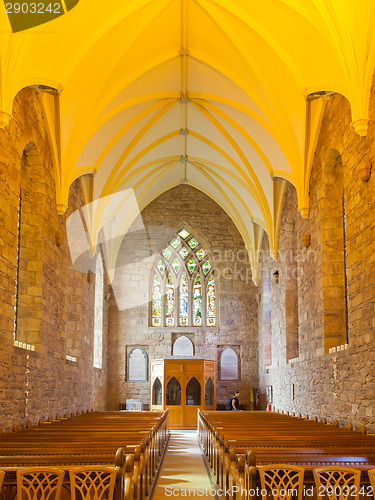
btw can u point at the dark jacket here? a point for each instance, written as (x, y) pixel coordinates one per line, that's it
(229, 404)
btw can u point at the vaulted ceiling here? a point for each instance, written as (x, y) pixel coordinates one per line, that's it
(227, 95)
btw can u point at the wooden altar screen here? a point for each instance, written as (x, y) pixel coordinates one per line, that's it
(183, 386)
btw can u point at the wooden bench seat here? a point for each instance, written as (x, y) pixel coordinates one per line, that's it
(236, 443)
(132, 442)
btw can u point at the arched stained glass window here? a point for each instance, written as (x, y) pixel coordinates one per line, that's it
(169, 301)
(184, 301)
(156, 302)
(183, 288)
(211, 299)
(197, 301)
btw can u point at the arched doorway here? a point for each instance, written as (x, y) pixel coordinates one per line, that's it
(157, 393)
(193, 392)
(173, 393)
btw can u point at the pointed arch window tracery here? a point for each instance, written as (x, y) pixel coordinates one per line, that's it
(183, 288)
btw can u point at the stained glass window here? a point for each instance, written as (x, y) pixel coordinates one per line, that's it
(211, 297)
(197, 301)
(191, 265)
(206, 267)
(175, 243)
(193, 243)
(156, 302)
(183, 287)
(184, 301)
(176, 265)
(200, 253)
(167, 253)
(169, 302)
(184, 234)
(161, 267)
(184, 252)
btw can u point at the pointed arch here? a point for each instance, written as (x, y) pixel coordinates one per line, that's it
(173, 392)
(98, 324)
(183, 287)
(157, 394)
(156, 301)
(193, 392)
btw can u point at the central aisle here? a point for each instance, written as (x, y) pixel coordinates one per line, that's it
(183, 468)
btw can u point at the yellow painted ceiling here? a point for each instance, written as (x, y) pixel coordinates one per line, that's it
(211, 91)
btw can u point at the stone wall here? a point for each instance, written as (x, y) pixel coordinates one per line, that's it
(129, 326)
(55, 303)
(337, 385)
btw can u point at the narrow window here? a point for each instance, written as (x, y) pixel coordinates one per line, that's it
(18, 268)
(291, 294)
(345, 268)
(211, 298)
(173, 392)
(170, 301)
(184, 301)
(267, 330)
(98, 320)
(156, 302)
(197, 301)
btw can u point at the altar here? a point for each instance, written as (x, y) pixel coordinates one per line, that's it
(183, 386)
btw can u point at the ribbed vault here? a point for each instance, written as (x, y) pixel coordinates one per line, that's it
(226, 95)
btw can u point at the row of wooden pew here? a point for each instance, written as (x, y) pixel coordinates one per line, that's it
(130, 443)
(240, 444)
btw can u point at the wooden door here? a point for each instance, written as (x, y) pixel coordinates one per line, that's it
(184, 392)
(194, 391)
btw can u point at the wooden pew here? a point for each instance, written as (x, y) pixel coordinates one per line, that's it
(133, 442)
(235, 443)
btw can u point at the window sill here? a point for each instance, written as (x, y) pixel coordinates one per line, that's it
(24, 346)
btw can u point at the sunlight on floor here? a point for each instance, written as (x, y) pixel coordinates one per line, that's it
(183, 469)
